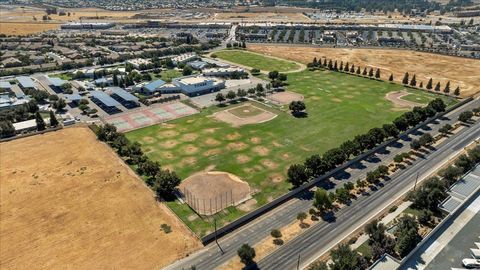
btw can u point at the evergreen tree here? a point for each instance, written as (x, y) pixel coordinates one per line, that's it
(421, 85)
(352, 69)
(447, 88)
(314, 62)
(370, 73)
(53, 119)
(429, 84)
(457, 91)
(341, 66)
(391, 77)
(437, 87)
(347, 68)
(358, 70)
(413, 82)
(377, 73)
(39, 121)
(325, 62)
(335, 66)
(405, 78)
(364, 71)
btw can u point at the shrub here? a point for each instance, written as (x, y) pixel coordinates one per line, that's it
(166, 228)
(393, 209)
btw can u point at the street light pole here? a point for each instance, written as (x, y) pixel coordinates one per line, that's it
(298, 261)
(216, 241)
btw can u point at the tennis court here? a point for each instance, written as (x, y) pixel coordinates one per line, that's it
(149, 116)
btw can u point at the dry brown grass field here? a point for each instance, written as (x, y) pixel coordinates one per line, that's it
(261, 16)
(460, 71)
(21, 29)
(68, 202)
(26, 14)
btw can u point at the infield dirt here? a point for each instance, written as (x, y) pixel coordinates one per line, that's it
(68, 202)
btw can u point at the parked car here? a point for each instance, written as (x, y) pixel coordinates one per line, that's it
(471, 263)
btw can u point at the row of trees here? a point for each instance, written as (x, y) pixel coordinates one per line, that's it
(413, 83)
(333, 65)
(163, 182)
(317, 165)
(231, 95)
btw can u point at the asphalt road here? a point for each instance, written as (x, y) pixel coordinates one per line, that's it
(323, 235)
(210, 257)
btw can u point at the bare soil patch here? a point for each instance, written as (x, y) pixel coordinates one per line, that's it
(212, 152)
(285, 97)
(233, 136)
(190, 137)
(169, 144)
(276, 178)
(396, 99)
(210, 130)
(190, 149)
(256, 140)
(269, 164)
(234, 119)
(62, 208)
(441, 68)
(211, 142)
(243, 159)
(189, 161)
(168, 133)
(148, 139)
(210, 192)
(236, 146)
(261, 150)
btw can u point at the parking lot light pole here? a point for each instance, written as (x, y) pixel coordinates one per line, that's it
(216, 240)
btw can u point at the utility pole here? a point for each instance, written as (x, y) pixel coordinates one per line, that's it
(416, 179)
(216, 240)
(298, 261)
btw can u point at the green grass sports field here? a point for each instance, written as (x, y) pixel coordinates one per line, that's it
(339, 106)
(257, 61)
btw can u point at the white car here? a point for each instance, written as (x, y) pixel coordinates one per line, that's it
(471, 263)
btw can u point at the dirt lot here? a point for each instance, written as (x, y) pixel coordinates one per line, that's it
(285, 97)
(68, 202)
(460, 71)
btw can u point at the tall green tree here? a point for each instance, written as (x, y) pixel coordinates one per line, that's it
(446, 90)
(322, 201)
(344, 258)
(53, 119)
(246, 254)
(405, 78)
(413, 82)
(40, 123)
(297, 175)
(429, 84)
